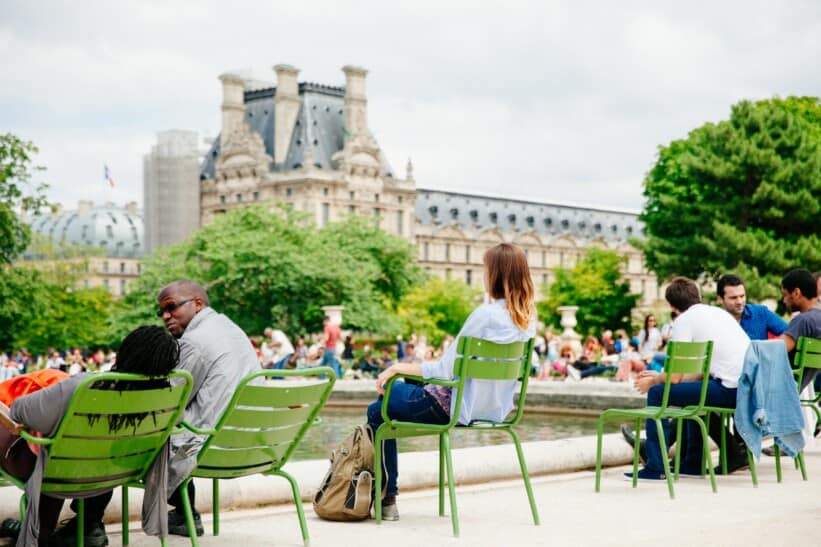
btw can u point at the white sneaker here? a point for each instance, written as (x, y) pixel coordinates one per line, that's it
(573, 373)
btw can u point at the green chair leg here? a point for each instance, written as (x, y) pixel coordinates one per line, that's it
(665, 462)
(441, 477)
(377, 471)
(599, 432)
(800, 460)
(677, 457)
(777, 462)
(81, 521)
(454, 515)
(303, 525)
(215, 505)
(636, 452)
(189, 515)
(753, 471)
(705, 442)
(163, 541)
(124, 514)
(523, 465)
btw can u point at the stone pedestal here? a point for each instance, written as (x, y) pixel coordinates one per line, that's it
(568, 321)
(335, 313)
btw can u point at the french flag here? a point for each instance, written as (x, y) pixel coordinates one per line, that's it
(107, 176)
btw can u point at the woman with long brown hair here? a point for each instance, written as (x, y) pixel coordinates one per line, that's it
(508, 317)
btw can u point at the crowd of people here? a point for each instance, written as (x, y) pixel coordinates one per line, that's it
(218, 354)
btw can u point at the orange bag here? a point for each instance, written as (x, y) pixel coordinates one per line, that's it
(29, 383)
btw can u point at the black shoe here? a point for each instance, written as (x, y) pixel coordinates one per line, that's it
(178, 527)
(67, 535)
(10, 528)
(733, 464)
(628, 435)
(768, 450)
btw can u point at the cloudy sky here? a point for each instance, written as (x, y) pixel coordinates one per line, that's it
(546, 100)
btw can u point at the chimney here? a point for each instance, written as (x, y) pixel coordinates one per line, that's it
(286, 108)
(233, 102)
(356, 102)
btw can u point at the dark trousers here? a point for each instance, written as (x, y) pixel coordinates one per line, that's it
(95, 508)
(50, 512)
(684, 394)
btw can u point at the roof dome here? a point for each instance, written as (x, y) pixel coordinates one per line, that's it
(117, 231)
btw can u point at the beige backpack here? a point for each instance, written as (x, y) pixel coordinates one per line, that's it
(346, 492)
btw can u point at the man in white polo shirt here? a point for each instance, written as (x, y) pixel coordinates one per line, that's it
(696, 323)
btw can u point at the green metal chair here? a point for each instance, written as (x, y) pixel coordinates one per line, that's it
(478, 360)
(682, 358)
(807, 355)
(259, 430)
(95, 448)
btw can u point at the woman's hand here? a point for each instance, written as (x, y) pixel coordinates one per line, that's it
(645, 380)
(382, 379)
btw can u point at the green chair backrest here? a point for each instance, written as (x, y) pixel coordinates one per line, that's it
(807, 355)
(264, 422)
(480, 359)
(687, 358)
(113, 429)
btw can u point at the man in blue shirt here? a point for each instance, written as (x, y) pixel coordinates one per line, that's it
(757, 320)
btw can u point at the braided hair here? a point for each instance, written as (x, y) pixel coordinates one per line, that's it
(148, 350)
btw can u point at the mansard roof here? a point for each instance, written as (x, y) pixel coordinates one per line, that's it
(319, 124)
(442, 208)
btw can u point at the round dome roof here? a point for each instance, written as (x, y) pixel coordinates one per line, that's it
(118, 231)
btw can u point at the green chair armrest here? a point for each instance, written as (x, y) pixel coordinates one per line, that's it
(197, 430)
(36, 440)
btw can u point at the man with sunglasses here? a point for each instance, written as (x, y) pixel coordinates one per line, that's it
(218, 354)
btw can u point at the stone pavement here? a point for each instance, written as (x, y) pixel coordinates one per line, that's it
(497, 513)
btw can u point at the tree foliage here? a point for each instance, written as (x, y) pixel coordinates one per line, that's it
(437, 308)
(596, 286)
(262, 268)
(17, 194)
(741, 195)
(42, 304)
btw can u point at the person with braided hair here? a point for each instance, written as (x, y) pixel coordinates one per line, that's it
(148, 350)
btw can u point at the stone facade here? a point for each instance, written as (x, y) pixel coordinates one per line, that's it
(309, 146)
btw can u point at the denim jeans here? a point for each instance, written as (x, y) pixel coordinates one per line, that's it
(329, 359)
(683, 394)
(407, 403)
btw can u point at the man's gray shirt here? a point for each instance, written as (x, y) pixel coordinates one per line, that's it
(218, 355)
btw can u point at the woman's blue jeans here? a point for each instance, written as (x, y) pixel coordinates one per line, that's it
(683, 394)
(409, 403)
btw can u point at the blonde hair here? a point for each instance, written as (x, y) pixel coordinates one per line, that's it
(508, 277)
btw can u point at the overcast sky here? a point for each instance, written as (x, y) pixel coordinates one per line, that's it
(545, 100)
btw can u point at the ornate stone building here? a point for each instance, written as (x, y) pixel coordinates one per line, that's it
(309, 146)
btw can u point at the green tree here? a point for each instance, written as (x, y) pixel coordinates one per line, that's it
(437, 308)
(740, 195)
(43, 304)
(17, 194)
(596, 286)
(262, 268)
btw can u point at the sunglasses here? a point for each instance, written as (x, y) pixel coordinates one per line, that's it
(169, 308)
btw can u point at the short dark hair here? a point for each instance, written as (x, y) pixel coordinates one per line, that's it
(729, 280)
(682, 293)
(802, 280)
